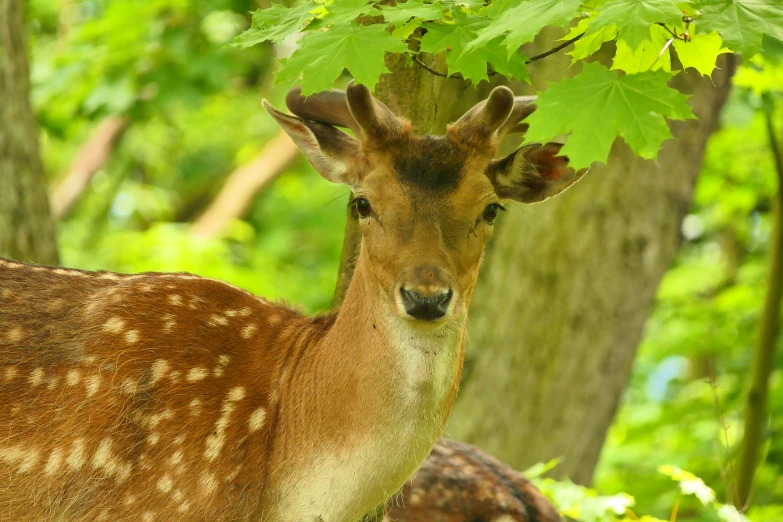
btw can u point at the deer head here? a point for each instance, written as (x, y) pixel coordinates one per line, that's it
(426, 204)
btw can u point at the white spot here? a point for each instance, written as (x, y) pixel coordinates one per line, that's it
(159, 369)
(36, 377)
(245, 312)
(217, 439)
(29, 460)
(129, 386)
(256, 420)
(179, 440)
(54, 462)
(218, 371)
(230, 313)
(183, 508)
(155, 418)
(224, 359)
(237, 393)
(196, 374)
(92, 383)
(208, 482)
(175, 300)
(102, 457)
(76, 457)
(123, 472)
(168, 323)
(178, 496)
(174, 376)
(176, 458)
(15, 334)
(109, 276)
(132, 336)
(195, 407)
(153, 438)
(129, 499)
(10, 373)
(165, 484)
(73, 377)
(215, 320)
(148, 516)
(274, 319)
(114, 325)
(249, 330)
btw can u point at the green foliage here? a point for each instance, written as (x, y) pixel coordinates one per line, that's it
(626, 104)
(478, 37)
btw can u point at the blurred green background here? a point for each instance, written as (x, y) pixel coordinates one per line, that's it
(193, 115)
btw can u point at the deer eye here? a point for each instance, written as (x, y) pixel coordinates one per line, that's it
(491, 212)
(362, 206)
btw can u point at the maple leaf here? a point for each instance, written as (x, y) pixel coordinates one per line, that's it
(701, 52)
(588, 43)
(521, 22)
(324, 54)
(472, 64)
(742, 23)
(598, 105)
(401, 13)
(634, 18)
(649, 56)
(275, 23)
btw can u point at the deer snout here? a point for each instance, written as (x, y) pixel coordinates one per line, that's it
(426, 295)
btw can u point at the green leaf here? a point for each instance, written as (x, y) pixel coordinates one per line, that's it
(521, 22)
(647, 57)
(598, 105)
(472, 64)
(401, 13)
(589, 43)
(701, 52)
(635, 17)
(346, 11)
(324, 54)
(742, 23)
(274, 24)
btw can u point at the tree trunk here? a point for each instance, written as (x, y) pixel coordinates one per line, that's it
(26, 227)
(756, 413)
(563, 298)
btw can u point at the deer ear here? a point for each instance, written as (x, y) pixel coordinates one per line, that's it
(330, 151)
(533, 173)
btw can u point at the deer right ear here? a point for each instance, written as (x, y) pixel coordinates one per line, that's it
(330, 151)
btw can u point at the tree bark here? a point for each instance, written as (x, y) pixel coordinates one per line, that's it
(564, 296)
(26, 227)
(756, 414)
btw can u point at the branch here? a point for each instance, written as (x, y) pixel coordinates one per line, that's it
(554, 49)
(490, 70)
(91, 158)
(244, 183)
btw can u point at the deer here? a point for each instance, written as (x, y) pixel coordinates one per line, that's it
(173, 397)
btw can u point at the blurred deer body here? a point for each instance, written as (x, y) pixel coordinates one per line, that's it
(172, 397)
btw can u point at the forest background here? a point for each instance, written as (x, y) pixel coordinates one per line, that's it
(145, 111)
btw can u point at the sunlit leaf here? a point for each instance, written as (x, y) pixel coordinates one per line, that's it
(633, 106)
(742, 23)
(324, 54)
(634, 18)
(701, 52)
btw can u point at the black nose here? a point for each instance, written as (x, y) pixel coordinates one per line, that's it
(425, 308)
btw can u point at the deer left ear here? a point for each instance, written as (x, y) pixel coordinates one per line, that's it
(533, 173)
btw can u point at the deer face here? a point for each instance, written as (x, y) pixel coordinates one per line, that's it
(426, 204)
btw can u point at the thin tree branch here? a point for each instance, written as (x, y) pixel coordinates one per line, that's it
(490, 70)
(554, 49)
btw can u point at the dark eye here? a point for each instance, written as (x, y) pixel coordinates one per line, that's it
(491, 212)
(362, 206)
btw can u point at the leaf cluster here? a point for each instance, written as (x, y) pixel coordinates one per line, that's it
(483, 38)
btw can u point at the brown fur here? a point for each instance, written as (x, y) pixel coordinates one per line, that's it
(173, 397)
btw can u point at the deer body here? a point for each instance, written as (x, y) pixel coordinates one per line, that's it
(169, 397)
